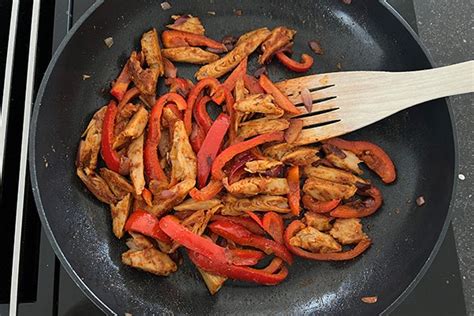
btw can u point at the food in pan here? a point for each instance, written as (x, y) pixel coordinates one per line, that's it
(235, 192)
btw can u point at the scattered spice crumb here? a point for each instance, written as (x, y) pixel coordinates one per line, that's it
(109, 41)
(85, 77)
(128, 314)
(369, 299)
(447, 281)
(420, 201)
(316, 47)
(461, 177)
(238, 12)
(338, 66)
(347, 1)
(408, 201)
(397, 211)
(211, 12)
(165, 5)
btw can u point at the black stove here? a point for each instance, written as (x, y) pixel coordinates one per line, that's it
(44, 288)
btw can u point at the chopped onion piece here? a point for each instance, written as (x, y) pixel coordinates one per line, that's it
(316, 47)
(420, 201)
(307, 99)
(165, 5)
(369, 299)
(109, 41)
(292, 132)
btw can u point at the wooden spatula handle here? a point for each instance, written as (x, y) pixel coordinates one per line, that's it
(425, 85)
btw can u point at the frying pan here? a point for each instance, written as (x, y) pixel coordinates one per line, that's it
(367, 35)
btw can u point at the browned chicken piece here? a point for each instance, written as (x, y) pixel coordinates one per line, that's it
(278, 151)
(133, 129)
(198, 226)
(300, 156)
(279, 38)
(259, 185)
(318, 221)
(124, 113)
(120, 214)
(117, 183)
(261, 165)
(237, 206)
(261, 126)
(192, 24)
(324, 190)
(150, 260)
(311, 239)
(89, 147)
(144, 79)
(141, 204)
(332, 174)
(243, 48)
(193, 205)
(183, 170)
(348, 231)
(97, 186)
(138, 242)
(240, 92)
(259, 103)
(343, 159)
(135, 155)
(213, 282)
(192, 55)
(151, 49)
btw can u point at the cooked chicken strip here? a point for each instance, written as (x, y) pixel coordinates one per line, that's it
(124, 114)
(89, 148)
(236, 207)
(150, 260)
(261, 165)
(243, 48)
(318, 221)
(278, 151)
(213, 282)
(261, 126)
(279, 38)
(240, 92)
(191, 25)
(192, 55)
(259, 185)
(300, 156)
(324, 190)
(348, 231)
(343, 159)
(311, 239)
(332, 174)
(134, 128)
(120, 214)
(135, 154)
(193, 205)
(97, 186)
(259, 103)
(138, 242)
(118, 184)
(144, 79)
(151, 49)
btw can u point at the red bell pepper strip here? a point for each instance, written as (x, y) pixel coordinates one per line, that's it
(280, 99)
(297, 225)
(129, 95)
(316, 206)
(373, 156)
(239, 72)
(237, 169)
(274, 265)
(233, 150)
(147, 196)
(252, 84)
(111, 157)
(171, 226)
(244, 221)
(172, 38)
(273, 225)
(305, 65)
(210, 147)
(179, 85)
(208, 192)
(211, 83)
(259, 276)
(144, 223)
(244, 237)
(360, 208)
(201, 115)
(229, 106)
(121, 84)
(255, 218)
(197, 137)
(293, 179)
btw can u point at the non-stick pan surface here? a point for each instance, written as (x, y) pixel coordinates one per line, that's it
(361, 36)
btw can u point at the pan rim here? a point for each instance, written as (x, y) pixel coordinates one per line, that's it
(64, 261)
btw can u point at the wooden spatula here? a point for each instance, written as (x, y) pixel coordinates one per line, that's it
(346, 101)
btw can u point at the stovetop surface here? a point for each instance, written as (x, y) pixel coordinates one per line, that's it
(54, 293)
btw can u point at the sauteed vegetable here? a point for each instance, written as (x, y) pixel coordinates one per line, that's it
(236, 193)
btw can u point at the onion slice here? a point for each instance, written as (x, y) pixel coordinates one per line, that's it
(307, 99)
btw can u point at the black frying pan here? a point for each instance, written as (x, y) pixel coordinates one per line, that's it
(366, 35)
